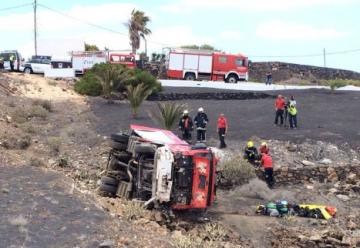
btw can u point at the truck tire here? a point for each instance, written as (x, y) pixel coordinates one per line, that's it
(120, 137)
(123, 156)
(118, 146)
(28, 70)
(189, 76)
(233, 79)
(109, 181)
(108, 189)
(144, 149)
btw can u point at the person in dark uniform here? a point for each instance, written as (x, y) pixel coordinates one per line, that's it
(186, 125)
(201, 121)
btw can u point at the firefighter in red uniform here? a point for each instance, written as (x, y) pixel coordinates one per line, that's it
(279, 107)
(267, 164)
(186, 125)
(222, 128)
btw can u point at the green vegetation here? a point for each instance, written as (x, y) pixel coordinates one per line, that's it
(91, 48)
(236, 171)
(170, 112)
(136, 95)
(338, 83)
(202, 47)
(143, 77)
(89, 85)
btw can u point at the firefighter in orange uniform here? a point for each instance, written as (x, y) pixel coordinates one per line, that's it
(267, 164)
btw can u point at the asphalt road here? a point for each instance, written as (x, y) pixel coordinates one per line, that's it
(322, 115)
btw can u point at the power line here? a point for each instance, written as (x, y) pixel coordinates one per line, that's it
(16, 7)
(93, 24)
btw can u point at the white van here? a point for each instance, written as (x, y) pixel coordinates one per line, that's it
(5, 60)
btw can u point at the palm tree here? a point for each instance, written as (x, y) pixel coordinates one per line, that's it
(169, 114)
(137, 28)
(136, 95)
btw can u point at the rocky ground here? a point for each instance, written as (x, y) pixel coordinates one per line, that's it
(53, 148)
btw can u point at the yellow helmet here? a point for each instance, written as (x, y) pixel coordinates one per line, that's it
(259, 208)
(250, 144)
(263, 143)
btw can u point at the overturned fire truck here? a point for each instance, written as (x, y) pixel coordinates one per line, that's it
(155, 166)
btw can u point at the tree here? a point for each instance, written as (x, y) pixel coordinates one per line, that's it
(169, 114)
(136, 95)
(137, 26)
(202, 47)
(91, 48)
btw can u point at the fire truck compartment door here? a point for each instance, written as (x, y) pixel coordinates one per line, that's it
(164, 162)
(191, 62)
(205, 64)
(176, 61)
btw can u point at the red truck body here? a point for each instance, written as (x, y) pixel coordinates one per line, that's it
(197, 65)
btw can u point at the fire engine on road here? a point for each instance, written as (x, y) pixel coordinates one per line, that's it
(206, 65)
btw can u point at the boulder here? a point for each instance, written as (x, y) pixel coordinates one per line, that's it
(307, 163)
(343, 197)
(325, 161)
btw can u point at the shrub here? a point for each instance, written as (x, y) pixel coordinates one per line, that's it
(133, 210)
(19, 115)
(334, 84)
(51, 82)
(89, 85)
(36, 162)
(136, 95)
(169, 114)
(214, 232)
(29, 128)
(11, 141)
(54, 144)
(38, 111)
(236, 171)
(46, 104)
(145, 78)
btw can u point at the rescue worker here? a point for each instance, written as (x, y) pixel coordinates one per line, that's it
(251, 154)
(279, 108)
(222, 128)
(268, 78)
(267, 164)
(186, 125)
(292, 116)
(12, 60)
(201, 121)
(264, 148)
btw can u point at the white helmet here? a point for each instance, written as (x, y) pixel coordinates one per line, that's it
(201, 109)
(186, 112)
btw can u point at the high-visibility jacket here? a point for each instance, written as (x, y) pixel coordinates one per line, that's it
(292, 110)
(266, 161)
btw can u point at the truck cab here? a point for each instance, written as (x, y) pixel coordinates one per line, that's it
(157, 167)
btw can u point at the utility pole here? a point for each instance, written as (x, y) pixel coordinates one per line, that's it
(35, 27)
(324, 58)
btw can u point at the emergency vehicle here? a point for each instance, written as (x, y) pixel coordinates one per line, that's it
(155, 166)
(83, 61)
(206, 65)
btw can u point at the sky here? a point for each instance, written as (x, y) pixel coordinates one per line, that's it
(276, 30)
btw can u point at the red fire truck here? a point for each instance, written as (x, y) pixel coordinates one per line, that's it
(205, 65)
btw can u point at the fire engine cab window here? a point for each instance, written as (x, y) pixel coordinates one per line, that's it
(223, 60)
(239, 62)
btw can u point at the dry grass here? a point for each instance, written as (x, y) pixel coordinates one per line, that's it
(214, 232)
(20, 115)
(133, 210)
(46, 104)
(82, 135)
(36, 162)
(12, 141)
(54, 144)
(29, 128)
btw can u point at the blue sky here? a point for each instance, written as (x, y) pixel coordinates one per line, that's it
(256, 28)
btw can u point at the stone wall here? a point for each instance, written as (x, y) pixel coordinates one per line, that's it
(208, 96)
(285, 71)
(319, 173)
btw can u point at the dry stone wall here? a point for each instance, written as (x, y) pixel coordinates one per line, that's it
(284, 71)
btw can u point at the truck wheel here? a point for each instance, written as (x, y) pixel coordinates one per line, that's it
(144, 149)
(190, 76)
(233, 79)
(118, 146)
(27, 70)
(120, 137)
(109, 189)
(123, 156)
(109, 181)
